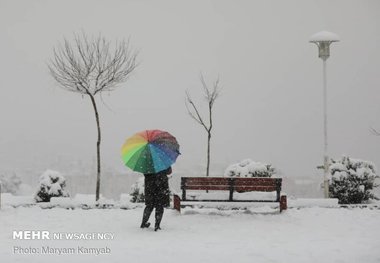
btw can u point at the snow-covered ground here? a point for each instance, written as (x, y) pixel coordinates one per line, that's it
(200, 235)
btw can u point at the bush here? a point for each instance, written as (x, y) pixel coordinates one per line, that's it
(249, 168)
(352, 180)
(52, 184)
(137, 191)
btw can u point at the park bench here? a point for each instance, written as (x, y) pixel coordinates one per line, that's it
(237, 184)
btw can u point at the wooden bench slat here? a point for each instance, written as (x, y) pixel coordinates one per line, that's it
(205, 183)
(256, 179)
(255, 188)
(206, 179)
(260, 179)
(210, 187)
(226, 180)
(238, 183)
(235, 201)
(266, 188)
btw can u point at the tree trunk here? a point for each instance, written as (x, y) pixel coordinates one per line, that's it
(97, 147)
(208, 153)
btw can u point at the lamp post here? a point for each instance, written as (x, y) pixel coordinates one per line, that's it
(323, 40)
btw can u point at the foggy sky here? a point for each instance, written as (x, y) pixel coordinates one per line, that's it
(270, 109)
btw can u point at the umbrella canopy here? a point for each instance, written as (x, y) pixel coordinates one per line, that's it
(150, 151)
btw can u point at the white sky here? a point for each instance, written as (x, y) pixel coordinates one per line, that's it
(271, 106)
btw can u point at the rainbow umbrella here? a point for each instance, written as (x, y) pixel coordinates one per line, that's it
(150, 151)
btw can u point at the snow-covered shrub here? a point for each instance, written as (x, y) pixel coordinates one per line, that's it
(52, 184)
(249, 168)
(352, 180)
(137, 191)
(10, 183)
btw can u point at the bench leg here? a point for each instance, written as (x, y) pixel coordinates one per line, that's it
(177, 203)
(283, 203)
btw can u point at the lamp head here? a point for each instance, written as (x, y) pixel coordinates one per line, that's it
(323, 40)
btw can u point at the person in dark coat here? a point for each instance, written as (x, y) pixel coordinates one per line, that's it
(156, 196)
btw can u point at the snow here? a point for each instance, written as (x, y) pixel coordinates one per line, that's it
(61, 201)
(312, 202)
(202, 235)
(125, 198)
(337, 167)
(338, 175)
(88, 201)
(86, 198)
(355, 170)
(324, 36)
(249, 168)
(352, 167)
(10, 199)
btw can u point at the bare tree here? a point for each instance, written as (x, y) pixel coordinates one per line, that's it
(210, 94)
(90, 66)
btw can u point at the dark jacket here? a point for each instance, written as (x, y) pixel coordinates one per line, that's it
(157, 189)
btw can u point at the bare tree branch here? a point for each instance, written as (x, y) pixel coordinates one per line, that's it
(93, 62)
(210, 95)
(89, 66)
(197, 117)
(213, 94)
(374, 131)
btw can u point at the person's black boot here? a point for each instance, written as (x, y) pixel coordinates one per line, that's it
(146, 214)
(159, 215)
(145, 225)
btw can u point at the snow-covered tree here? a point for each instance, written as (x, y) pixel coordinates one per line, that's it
(137, 191)
(52, 184)
(352, 180)
(249, 168)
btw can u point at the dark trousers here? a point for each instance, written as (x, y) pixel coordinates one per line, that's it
(159, 213)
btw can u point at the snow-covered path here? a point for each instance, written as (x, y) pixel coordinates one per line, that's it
(201, 235)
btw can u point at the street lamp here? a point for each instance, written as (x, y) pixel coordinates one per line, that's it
(323, 40)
